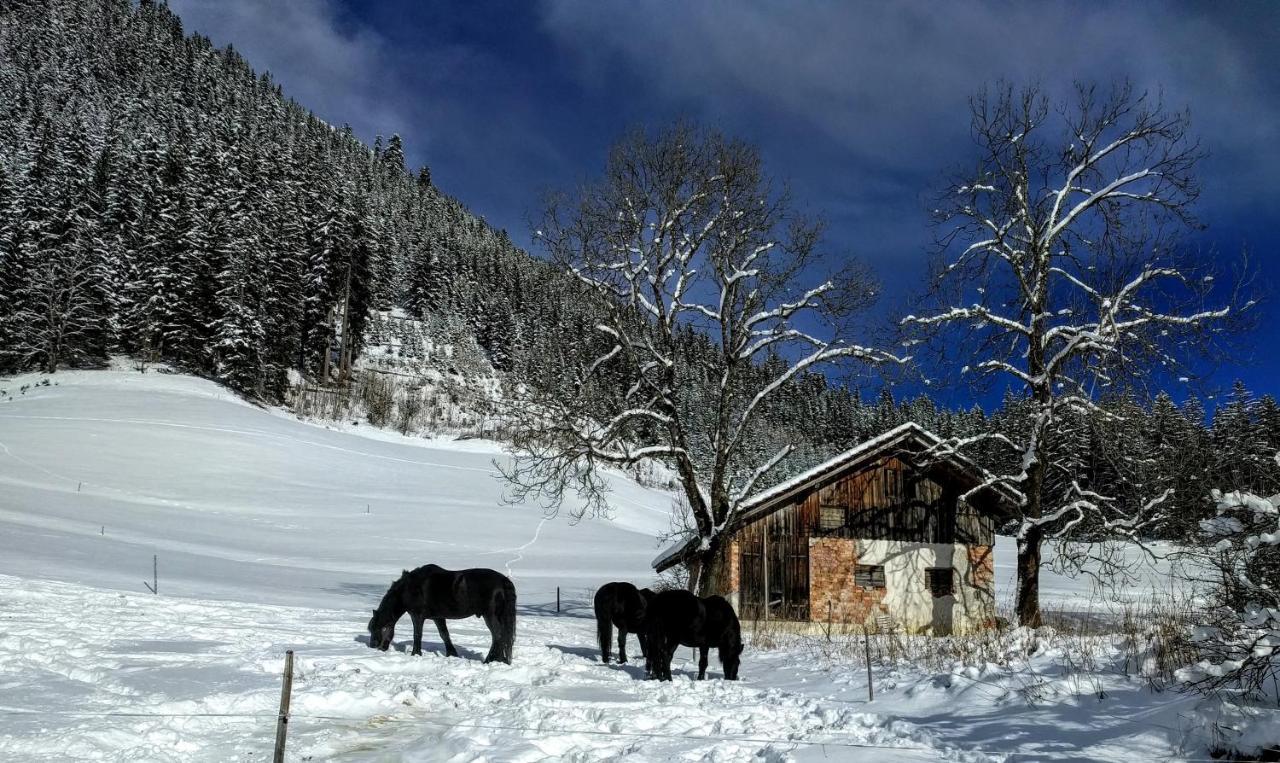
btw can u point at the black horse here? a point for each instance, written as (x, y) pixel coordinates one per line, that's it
(432, 592)
(621, 605)
(676, 618)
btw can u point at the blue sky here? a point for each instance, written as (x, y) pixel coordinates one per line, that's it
(861, 106)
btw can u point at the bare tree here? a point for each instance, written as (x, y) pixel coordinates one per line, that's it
(685, 238)
(1059, 266)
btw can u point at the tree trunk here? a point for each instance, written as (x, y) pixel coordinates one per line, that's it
(1027, 603)
(1031, 537)
(708, 565)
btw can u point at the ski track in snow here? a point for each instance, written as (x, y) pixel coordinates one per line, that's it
(37, 467)
(519, 551)
(257, 433)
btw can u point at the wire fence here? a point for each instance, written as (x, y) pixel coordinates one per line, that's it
(1060, 754)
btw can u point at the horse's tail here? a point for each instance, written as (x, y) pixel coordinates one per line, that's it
(604, 623)
(506, 611)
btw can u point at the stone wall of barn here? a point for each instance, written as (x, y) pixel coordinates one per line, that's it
(905, 596)
(833, 596)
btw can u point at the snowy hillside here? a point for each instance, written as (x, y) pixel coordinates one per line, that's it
(259, 522)
(107, 468)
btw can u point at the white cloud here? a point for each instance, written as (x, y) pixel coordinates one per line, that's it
(336, 69)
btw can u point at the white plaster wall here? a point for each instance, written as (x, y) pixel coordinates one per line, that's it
(908, 599)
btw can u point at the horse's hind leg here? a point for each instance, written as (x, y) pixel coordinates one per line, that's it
(604, 633)
(702, 662)
(622, 646)
(496, 652)
(659, 661)
(449, 651)
(668, 655)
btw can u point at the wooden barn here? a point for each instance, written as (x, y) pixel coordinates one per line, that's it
(877, 531)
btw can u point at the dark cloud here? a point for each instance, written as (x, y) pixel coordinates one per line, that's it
(861, 106)
(886, 84)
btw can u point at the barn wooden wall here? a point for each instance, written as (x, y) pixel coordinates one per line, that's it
(891, 500)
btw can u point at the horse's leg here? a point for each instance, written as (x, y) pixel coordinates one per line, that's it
(660, 658)
(495, 636)
(702, 662)
(604, 633)
(449, 651)
(418, 619)
(667, 656)
(622, 646)
(644, 645)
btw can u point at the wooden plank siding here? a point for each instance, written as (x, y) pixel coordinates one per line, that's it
(888, 499)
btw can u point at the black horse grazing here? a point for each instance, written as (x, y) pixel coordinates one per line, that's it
(676, 618)
(621, 605)
(432, 592)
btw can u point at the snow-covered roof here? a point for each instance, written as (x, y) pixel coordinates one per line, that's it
(870, 446)
(672, 554)
(775, 497)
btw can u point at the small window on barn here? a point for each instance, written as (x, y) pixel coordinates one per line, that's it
(868, 576)
(927, 490)
(830, 517)
(940, 581)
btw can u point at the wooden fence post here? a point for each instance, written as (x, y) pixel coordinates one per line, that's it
(154, 585)
(764, 555)
(866, 643)
(282, 720)
(557, 600)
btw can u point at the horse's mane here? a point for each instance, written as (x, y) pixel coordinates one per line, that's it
(392, 597)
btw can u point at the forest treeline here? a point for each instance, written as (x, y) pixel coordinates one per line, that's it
(159, 198)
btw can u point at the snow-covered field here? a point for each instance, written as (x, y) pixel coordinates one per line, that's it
(274, 534)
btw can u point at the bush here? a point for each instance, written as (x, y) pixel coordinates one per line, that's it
(408, 408)
(378, 394)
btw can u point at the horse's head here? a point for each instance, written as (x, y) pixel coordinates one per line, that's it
(638, 608)
(381, 630)
(731, 657)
